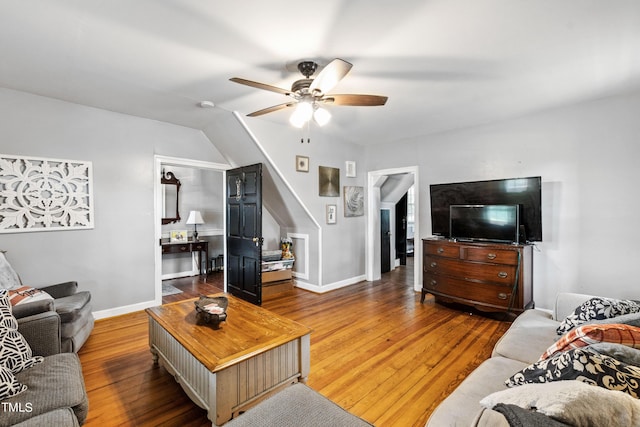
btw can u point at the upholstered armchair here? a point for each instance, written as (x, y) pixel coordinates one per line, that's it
(59, 309)
(73, 309)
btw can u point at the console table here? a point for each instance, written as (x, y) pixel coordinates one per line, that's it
(198, 246)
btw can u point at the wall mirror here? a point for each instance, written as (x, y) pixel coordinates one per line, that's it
(170, 194)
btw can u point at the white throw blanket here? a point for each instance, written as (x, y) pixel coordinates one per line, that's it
(572, 402)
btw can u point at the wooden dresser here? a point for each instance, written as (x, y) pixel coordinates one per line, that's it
(488, 276)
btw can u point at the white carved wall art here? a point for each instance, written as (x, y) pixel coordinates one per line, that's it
(40, 194)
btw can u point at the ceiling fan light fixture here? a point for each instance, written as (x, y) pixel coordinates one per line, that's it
(301, 115)
(321, 116)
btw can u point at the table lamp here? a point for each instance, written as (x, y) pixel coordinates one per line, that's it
(195, 218)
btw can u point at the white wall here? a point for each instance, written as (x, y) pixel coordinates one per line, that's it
(343, 243)
(115, 260)
(587, 156)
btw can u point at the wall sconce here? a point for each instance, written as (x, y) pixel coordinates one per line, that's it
(195, 218)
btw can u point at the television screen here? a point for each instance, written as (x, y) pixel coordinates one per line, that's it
(526, 192)
(493, 223)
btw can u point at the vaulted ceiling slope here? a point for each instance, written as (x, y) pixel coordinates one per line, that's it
(444, 64)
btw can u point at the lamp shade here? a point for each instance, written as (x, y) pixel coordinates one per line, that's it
(195, 217)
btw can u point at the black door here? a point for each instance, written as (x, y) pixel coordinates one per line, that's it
(385, 241)
(244, 232)
(401, 230)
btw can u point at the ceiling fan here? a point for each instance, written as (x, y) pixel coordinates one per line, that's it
(309, 95)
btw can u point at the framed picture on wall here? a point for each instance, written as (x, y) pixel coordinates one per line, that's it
(350, 168)
(332, 214)
(302, 164)
(353, 201)
(329, 181)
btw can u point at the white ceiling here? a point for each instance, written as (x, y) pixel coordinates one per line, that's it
(444, 64)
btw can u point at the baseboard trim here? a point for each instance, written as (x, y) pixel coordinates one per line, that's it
(126, 309)
(329, 287)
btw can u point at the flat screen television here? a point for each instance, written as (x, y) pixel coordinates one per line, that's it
(526, 192)
(490, 223)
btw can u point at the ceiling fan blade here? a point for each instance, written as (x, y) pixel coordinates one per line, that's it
(356, 100)
(271, 109)
(260, 85)
(330, 76)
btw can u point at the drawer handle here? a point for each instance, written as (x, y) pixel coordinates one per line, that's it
(434, 283)
(433, 264)
(502, 296)
(492, 256)
(440, 250)
(183, 248)
(503, 275)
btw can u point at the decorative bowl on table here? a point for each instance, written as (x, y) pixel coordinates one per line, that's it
(211, 310)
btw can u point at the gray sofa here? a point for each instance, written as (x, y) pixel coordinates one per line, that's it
(531, 333)
(55, 394)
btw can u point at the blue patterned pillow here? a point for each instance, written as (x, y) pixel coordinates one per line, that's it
(583, 365)
(597, 309)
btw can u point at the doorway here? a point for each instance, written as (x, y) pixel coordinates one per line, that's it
(161, 162)
(385, 241)
(375, 180)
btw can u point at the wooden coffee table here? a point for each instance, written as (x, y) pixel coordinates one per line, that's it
(225, 371)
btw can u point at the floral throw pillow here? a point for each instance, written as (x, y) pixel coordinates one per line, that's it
(597, 309)
(583, 365)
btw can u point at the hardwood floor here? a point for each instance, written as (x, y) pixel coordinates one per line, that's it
(375, 351)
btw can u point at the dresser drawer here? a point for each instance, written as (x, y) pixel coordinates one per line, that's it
(486, 293)
(493, 255)
(175, 248)
(441, 249)
(201, 246)
(501, 274)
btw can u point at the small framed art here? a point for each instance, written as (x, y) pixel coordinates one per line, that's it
(302, 164)
(332, 214)
(178, 236)
(350, 168)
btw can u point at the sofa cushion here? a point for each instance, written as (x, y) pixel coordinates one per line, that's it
(584, 365)
(463, 406)
(572, 402)
(585, 335)
(9, 386)
(60, 417)
(55, 383)
(597, 308)
(529, 336)
(69, 308)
